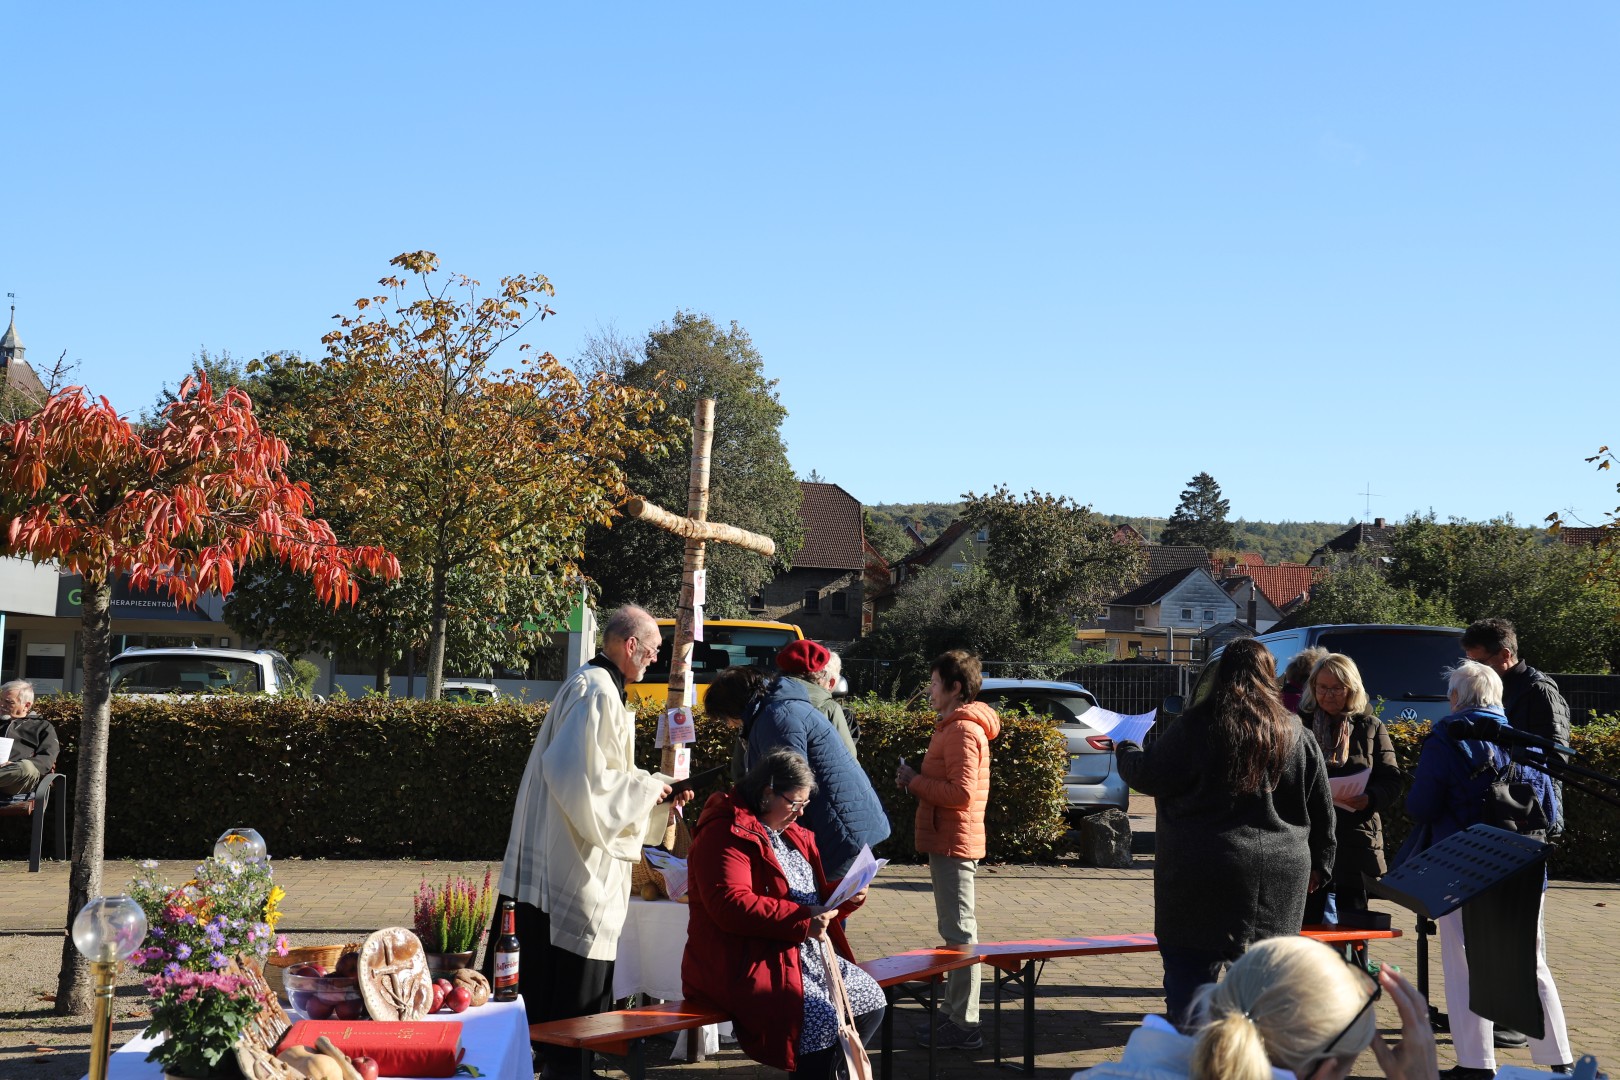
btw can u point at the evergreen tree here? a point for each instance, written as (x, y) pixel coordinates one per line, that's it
(1200, 517)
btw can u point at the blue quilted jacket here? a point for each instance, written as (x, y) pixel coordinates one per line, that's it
(845, 812)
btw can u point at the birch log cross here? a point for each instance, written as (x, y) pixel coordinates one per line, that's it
(698, 530)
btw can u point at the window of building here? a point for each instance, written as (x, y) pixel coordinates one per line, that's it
(1209, 614)
(1186, 613)
(838, 603)
(812, 602)
(982, 536)
(1141, 613)
(8, 655)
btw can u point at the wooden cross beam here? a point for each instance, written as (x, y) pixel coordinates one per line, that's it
(697, 529)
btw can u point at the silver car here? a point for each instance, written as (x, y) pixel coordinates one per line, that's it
(1092, 780)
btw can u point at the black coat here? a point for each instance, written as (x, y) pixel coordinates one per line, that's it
(1532, 703)
(1361, 832)
(36, 741)
(1230, 869)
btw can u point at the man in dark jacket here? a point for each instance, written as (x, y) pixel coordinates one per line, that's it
(1530, 698)
(34, 744)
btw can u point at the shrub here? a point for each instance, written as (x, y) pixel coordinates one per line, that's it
(384, 777)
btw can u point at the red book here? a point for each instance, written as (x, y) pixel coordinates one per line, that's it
(401, 1048)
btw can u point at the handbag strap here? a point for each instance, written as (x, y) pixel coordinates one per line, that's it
(835, 983)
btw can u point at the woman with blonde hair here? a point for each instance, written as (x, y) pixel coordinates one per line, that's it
(1353, 740)
(1290, 1009)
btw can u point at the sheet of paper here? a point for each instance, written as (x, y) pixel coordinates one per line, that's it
(1120, 728)
(860, 875)
(677, 726)
(697, 622)
(661, 735)
(1348, 787)
(5, 750)
(673, 869)
(700, 588)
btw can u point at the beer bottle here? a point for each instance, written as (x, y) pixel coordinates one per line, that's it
(506, 955)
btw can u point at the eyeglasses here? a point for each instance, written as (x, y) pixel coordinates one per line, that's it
(794, 805)
(1323, 691)
(1377, 992)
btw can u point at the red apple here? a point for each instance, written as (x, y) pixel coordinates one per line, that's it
(365, 1066)
(318, 1009)
(458, 999)
(309, 971)
(444, 984)
(438, 998)
(348, 964)
(348, 1010)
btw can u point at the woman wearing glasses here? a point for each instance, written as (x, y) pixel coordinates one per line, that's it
(1353, 741)
(1290, 1009)
(755, 932)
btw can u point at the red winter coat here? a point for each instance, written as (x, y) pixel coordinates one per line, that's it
(743, 934)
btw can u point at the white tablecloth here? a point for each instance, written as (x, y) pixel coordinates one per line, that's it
(495, 1037)
(650, 950)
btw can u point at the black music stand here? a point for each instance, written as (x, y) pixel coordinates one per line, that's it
(1495, 876)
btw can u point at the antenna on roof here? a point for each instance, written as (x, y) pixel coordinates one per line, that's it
(1370, 495)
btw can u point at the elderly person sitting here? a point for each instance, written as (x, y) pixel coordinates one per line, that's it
(34, 746)
(1289, 1009)
(1454, 774)
(757, 925)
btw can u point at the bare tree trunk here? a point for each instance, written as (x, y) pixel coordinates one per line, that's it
(385, 675)
(437, 632)
(73, 990)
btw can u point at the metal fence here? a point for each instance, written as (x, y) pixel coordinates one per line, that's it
(1589, 695)
(1126, 687)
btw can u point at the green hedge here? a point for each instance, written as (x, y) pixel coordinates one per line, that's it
(1589, 849)
(381, 778)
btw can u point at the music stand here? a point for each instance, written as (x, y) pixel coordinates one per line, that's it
(1496, 877)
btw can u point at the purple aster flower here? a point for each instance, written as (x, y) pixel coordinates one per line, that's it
(218, 960)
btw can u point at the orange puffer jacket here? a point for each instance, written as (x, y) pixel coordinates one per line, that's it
(953, 785)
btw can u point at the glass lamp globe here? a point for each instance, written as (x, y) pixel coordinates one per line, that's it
(109, 928)
(240, 843)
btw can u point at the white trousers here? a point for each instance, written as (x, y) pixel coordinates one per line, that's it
(1471, 1034)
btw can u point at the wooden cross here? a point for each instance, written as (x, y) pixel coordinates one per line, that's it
(697, 529)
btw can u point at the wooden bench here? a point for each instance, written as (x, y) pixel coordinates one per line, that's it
(35, 807)
(622, 1032)
(1016, 964)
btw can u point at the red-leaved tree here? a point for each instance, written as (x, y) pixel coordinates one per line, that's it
(178, 505)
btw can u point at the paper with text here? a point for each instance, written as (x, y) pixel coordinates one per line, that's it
(860, 875)
(1120, 728)
(1348, 787)
(5, 750)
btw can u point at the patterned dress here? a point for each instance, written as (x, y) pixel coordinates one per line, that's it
(820, 1015)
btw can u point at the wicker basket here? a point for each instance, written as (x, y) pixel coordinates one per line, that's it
(678, 842)
(324, 955)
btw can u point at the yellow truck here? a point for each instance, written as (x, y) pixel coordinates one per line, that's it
(726, 643)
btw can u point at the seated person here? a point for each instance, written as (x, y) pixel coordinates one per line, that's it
(33, 753)
(757, 925)
(1289, 1009)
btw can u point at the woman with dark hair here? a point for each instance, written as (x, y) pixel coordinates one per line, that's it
(1245, 823)
(773, 712)
(755, 932)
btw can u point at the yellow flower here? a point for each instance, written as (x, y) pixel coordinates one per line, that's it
(271, 915)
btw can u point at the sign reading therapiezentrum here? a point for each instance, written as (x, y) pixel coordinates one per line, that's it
(128, 603)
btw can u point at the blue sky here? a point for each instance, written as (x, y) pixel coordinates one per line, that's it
(1082, 248)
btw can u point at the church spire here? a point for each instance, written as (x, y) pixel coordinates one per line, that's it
(11, 346)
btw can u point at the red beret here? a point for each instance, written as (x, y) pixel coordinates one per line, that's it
(802, 658)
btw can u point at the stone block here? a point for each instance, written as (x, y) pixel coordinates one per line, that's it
(1105, 840)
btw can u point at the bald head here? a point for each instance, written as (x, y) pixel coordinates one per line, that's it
(630, 638)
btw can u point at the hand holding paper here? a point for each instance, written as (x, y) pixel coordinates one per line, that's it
(1348, 787)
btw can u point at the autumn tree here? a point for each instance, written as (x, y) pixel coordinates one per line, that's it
(1200, 517)
(179, 505)
(751, 483)
(463, 467)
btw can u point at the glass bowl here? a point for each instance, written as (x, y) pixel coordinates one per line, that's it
(324, 997)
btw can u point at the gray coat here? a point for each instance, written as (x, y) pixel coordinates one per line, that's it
(1230, 869)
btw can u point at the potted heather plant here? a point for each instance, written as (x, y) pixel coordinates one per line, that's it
(200, 1016)
(450, 921)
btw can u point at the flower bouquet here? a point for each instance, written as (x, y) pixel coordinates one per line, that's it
(200, 1015)
(450, 921)
(228, 908)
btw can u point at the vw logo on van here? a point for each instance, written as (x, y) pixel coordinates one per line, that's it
(1409, 713)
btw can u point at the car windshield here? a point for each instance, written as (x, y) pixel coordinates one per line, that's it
(1399, 665)
(184, 675)
(1062, 707)
(723, 647)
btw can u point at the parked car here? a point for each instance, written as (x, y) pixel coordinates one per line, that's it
(726, 643)
(466, 690)
(197, 670)
(1091, 781)
(1402, 666)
